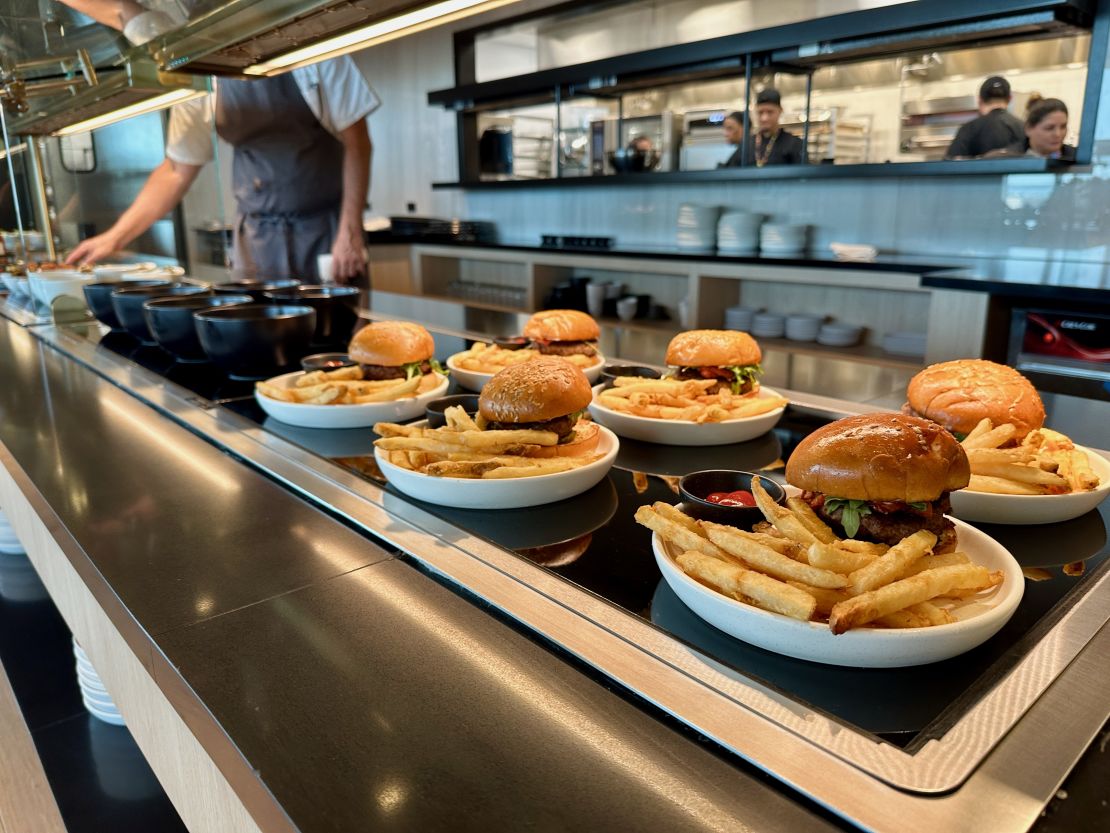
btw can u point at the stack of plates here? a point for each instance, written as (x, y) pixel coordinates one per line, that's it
(18, 580)
(697, 227)
(95, 696)
(905, 344)
(782, 239)
(9, 542)
(738, 232)
(839, 335)
(740, 318)
(803, 327)
(768, 325)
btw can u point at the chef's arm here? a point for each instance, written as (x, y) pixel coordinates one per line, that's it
(114, 13)
(163, 190)
(348, 258)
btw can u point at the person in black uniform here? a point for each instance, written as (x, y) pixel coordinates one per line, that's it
(769, 144)
(993, 129)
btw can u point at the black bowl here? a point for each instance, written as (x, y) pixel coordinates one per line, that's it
(512, 342)
(256, 289)
(629, 161)
(170, 321)
(435, 408)
(326, 361)
(256, 341)
(127, 301)
(99, 297)
(336, 310)
(695, 487)
(610, 372)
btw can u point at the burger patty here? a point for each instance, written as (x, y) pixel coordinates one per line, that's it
(381, 372)
(566, 348)
(563, 426)
(889, 523)
(725, 377)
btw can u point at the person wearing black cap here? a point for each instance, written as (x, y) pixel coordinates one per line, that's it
(769, 144)
(993, 129)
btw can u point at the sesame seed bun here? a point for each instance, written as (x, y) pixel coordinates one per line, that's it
(535, 391)
(712, 348)
(959, 394)
(391, 343)
(562, 325)
(880, 457)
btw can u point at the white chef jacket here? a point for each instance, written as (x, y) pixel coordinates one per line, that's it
(334, 90)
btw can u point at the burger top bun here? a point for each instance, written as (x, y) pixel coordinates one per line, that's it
(535, 391)
(959, 394)
(391, 343)
(562, 325)
(879, 457)
(712, 348)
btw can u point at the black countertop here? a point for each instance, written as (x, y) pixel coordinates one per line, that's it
(341, 685)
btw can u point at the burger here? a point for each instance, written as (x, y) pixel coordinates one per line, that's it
(545, 394)
(881, 477)
(563, 332)
(729, 357)
(394, 350)
(959, 394)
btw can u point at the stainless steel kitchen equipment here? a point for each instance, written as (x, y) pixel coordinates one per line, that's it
(703, 144)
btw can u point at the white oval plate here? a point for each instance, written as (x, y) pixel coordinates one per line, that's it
(344, 416)
(107, 271)
(475, 381)
(978, 619)
(684, 431)
(1023, 510)
(464, 493)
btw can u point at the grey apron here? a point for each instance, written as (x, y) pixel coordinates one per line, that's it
(286, 176)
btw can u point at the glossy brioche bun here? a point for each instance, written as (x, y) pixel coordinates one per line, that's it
(539, 390)
(879, 457)
(562, 325)
(712, 348)
(959, 394)
(391, 343)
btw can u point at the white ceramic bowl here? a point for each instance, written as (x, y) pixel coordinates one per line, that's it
(16, 286)
(47, 287)
(684, 431)
(977, 620)
(344, 416)
(1024, 510)
(516, 493)
(475, 381)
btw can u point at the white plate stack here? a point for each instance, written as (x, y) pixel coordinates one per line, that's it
(738, 232)
(839, 335)
(905, 344)
(768, 325)
(18, 580)
(93, 693)
(740, 318)
(697, 227)
(803, 327)
(9, 541)
(782, 238)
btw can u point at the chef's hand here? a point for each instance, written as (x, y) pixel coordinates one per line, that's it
(94, 249)
(348, 260)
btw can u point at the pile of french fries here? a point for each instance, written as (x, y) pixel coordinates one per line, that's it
(1045, 463)
(683, 400)
(345, 386)
(796, 566)
(489, 358)
(462, 449)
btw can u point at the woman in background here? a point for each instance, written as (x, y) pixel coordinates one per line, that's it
(1046, 125)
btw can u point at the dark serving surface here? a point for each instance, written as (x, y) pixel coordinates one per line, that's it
(593, 542)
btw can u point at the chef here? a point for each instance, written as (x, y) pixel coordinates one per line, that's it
(769, 144)
(300, 171)
(994, 128)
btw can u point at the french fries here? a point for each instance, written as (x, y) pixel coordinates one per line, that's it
(846, 584)
(461, 450)
(687, 400)
(345, 386)
(489, 358)
(1045, 462)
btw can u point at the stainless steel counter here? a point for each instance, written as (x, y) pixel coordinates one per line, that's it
(333, 627)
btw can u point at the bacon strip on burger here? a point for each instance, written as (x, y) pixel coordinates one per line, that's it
(881, 477)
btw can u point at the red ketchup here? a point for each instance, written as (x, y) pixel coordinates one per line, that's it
(740, 497)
